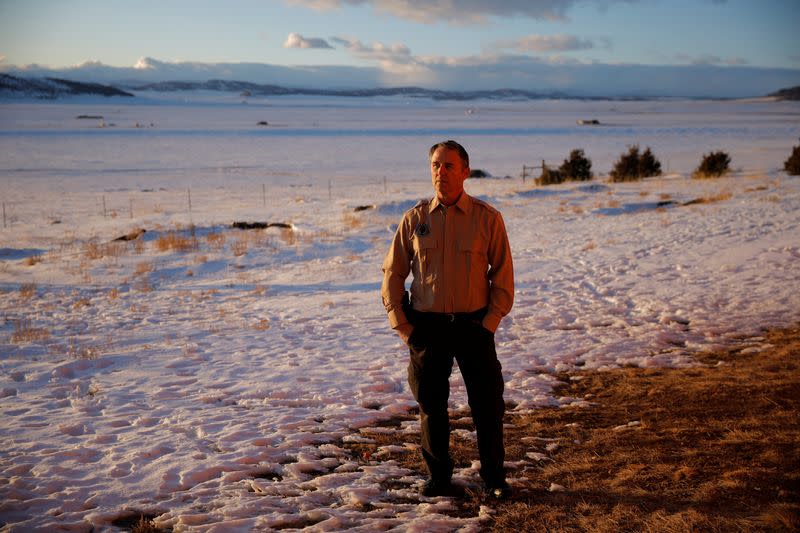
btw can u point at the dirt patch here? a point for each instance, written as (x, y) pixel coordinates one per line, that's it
(708, 448)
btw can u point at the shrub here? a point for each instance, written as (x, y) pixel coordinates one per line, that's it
(649, 165)
(634, 166)
(478, 173)
(578, 167)
(792, 165)
(713, 165)
(550, 176)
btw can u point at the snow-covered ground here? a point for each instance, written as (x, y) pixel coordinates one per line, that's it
(210, 375)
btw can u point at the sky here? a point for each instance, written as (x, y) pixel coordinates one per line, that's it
(569, 45)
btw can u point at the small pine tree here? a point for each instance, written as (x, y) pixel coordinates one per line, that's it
(578, 167)
(550, 176)
(713, 165)
(478, 173)
(649, 165)
(792, 165)
(627, 166)
(635, 166)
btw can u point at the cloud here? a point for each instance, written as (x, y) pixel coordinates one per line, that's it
(395, 53)
(710, 59)
(544, 44)
(295, 40)
(458, 11)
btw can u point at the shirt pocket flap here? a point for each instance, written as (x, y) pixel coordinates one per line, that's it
(473, 247)
(423, 243)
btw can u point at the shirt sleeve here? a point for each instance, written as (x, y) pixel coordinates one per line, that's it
(396, 267)
(501, 275)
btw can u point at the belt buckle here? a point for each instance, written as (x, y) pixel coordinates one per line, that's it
(451, 317)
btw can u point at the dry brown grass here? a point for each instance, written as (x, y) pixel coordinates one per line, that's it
(143, 268)
(142, 285)
(262, 325)
(289, 236)
(715, 448)
(33, 260)
(351, 221)
(239, 247)
(174, 241)
(259, 290)
(719, 197)
(94, 250)
(81, 303)
(712, 448)
(24, 331)
(139, 246)
(86, 351)
(215, 240)
(27, 291)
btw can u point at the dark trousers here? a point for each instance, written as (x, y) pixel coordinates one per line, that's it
(434, 343)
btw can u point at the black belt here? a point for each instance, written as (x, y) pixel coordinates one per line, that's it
(451, 318)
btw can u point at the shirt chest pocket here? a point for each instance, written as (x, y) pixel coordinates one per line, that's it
(424, 251)
(473, 258)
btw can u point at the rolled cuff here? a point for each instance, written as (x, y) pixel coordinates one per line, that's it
(491, 321)
(397, 318)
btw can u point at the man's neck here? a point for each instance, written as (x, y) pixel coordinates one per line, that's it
(452, 203)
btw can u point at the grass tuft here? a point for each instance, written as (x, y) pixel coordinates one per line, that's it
(27, 291)
(25, 332)
(173, 241)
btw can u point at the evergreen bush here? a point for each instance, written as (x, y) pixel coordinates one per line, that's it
(649, 165)
(713, 165)
(634, 166)
(792, 165)
(578, 167)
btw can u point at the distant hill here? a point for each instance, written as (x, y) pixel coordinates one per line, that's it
(53, 87)
(792, 93)
(248, 88)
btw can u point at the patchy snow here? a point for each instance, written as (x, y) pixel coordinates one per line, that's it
(210, 376)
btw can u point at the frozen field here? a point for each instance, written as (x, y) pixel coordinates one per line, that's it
(210, 375)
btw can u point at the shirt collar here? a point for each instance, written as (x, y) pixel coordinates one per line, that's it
(464, 203)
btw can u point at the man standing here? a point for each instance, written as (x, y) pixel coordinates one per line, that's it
(456, 248)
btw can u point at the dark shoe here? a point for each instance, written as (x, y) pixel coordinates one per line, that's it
(498, 491)
(438, 487)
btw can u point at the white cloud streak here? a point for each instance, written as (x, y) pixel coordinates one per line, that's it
(457, 11)
(710, 59)
(295, 40)
(395, 53)
(544, 44)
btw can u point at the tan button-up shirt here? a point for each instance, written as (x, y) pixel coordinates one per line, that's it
(459, 257)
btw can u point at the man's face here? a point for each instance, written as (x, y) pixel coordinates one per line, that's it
(448, 174)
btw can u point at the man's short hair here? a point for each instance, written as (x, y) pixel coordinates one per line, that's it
(451, 145)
